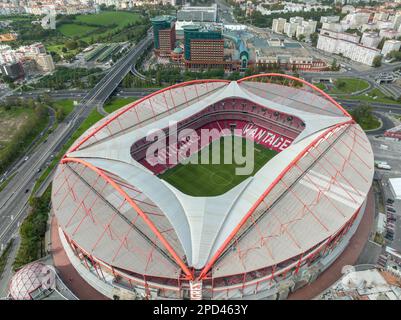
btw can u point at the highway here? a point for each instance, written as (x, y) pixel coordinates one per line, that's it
(79, 94)
(14, 197)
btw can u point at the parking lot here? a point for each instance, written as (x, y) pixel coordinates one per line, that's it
(389, 150)
(386, 149)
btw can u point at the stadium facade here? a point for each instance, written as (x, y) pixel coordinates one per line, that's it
(132, 235)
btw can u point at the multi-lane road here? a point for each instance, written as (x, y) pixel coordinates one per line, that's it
(14, 197)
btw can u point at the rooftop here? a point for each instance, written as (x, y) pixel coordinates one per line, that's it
(201, 224)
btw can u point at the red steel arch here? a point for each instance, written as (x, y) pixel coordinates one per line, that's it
(150, 224)
(286, 76)
(214, 258)
(118, 114)
(153, 228)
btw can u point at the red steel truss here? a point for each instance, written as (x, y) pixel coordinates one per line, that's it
(263, 196)
(138, 210)
(205, 272)
(295, 79)
(134, 104)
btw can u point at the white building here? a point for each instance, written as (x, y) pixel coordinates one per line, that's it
(290, 29)
(348, 9)
(396, 21)
(384, 24)
(203, 14)
(369, 26)
(306, 28)
(380, 16)
(346, 45)
(370, 39)
(390, 45)
(278, 25)
(330, 19)
(389, 33)
(355, 20)
(332, 26)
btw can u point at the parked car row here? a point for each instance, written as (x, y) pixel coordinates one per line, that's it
(391, 219)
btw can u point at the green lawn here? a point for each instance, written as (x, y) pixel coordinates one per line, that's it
(72, 30)
(108, 18)
(86, 26)
(374, 95)
(11, 121)
(205, 180)
(347, 86)
(321, 86)
(117, 103)
(67, 105)
(369, 123)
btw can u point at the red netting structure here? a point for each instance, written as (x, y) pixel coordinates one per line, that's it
(31, 282)
(271, 234)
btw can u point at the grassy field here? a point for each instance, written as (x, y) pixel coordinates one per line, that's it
(369, 123)
(10, 122)
(117, 103)
(205, 180)
(96, 25)
(66, 105)
(72, 30)
(374, 95)
(109, 18)
(346, 86)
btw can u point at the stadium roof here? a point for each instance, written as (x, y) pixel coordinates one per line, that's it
(310, 190)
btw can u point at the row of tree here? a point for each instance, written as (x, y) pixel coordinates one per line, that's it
(33, 230)
(64, 78)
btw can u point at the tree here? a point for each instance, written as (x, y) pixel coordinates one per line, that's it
(314, 38)
(71, 45)
(377, 61)
(334, 66)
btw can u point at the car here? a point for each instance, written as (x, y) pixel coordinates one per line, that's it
(391, 210)
(26, 190)
(390, 201)
(26, 158)
(388, 237)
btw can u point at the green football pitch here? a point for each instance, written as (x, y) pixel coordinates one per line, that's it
(206, 180)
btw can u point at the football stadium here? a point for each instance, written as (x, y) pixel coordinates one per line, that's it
(140, 227)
